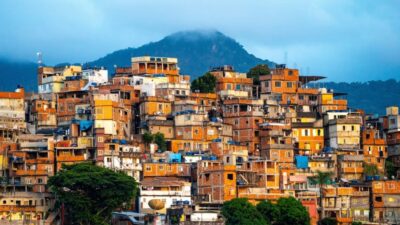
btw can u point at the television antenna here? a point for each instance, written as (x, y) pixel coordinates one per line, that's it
(39, 58)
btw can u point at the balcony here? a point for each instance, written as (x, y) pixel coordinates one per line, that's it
(38, 160)
(359, 158)
(14, 208)
(344, 219)
(164, 193)
(38, 144)
(361, 193)
(85, 142)
(352, 170)
(31, 173)
(52, 79)
(278, 146)
(71, 158)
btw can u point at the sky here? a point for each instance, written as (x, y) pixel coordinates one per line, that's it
(344, 40)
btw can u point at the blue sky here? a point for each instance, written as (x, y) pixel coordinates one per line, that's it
(344, 40)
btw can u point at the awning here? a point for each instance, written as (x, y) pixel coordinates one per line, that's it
(85, 124)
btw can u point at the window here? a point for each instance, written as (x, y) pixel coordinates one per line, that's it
(161, 167)
(352, 128)
(148, 168)
(70, 107)
(266, 83)
(160, 106)
(277, 84)
(290, 72)
(238, 87)
(229, 176)
(229, 86)
(289, 84)
(378, 198)
(301, 97)
(344, 128)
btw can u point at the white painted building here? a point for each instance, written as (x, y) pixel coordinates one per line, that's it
(96, 76)
(169, 190)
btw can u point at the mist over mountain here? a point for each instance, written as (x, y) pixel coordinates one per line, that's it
(197, 52)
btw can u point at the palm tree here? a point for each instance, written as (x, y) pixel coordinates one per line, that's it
(322, 179)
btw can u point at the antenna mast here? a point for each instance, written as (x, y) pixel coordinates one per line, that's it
(39, 58)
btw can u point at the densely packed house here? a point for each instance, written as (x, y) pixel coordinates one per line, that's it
(260, 142)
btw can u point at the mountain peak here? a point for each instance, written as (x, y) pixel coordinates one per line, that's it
(196, 35)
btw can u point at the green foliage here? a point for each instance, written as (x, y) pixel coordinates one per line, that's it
(257, 71)
(159, 139)
(328, 221)
(287, 211)
(391, 171)
(204, 84)
(90, 193)
(148, 138)
(321, 178)
(370, 169)
(291, 211)
(356, 223)
(268, 210)
(239, 211)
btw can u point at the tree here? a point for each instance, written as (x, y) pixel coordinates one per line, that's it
(291, 211)
(390, 169)
(159, 139)
(268, 210)
(321, 178)
(370, 169)
(257, 71)
(204, 84)
(148, 138)
(328, 221)
(239, 211)
(356, 223)
(90, 193)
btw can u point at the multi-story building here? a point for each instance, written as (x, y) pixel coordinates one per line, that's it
(12, 113)
(386, 201)
(244, 115)
(374, 148)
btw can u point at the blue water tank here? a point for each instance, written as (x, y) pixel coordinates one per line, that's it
(301, 161)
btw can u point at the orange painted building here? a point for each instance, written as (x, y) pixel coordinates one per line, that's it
(216, 180)
(156, 65)
(385, 201)
(374, 148)
(276, 143)
(244, 115)
(166, 170)
(309, 137)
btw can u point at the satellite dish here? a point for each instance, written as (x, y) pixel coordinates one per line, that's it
(156, 204)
